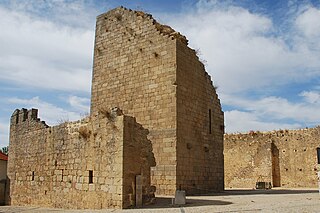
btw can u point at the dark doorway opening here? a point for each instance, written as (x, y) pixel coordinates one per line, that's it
(276, 179)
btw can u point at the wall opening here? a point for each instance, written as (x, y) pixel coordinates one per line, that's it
(318, 155)
(61, 175)
(32, 177)
(276, 179)
(90, 176)
(210, 121)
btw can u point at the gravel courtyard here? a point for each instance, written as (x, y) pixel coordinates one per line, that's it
(275, 200)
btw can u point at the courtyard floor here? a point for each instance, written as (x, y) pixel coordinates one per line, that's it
(232, 200)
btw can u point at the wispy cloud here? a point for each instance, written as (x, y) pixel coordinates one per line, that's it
(79, 103)
(46, 46)
(73, 13)
(239, 121)
(272, 112)
(4, 134)
(38, 53)
(311, 97)
(243, 51)
(247, 53)
(308, 23)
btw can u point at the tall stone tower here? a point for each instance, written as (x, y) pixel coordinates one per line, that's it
(148, 71)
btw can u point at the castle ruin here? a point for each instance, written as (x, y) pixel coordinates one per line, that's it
(168, 133)
(285, 158)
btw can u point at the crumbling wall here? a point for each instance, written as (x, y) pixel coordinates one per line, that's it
(135, 69)
(137, 144)
(246, 162)
(286, 158)
(200, 126)
(148, 70)
(75, 164)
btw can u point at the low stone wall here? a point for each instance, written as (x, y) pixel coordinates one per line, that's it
(78, 164)
(286, 158)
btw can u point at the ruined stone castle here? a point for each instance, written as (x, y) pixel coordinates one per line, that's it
(164, 130)
(285, 158)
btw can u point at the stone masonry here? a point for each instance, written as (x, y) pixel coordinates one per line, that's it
(286, 158)
(148, 70)
(81, 164)
(170, 136)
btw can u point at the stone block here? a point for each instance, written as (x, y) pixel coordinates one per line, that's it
(79, 186)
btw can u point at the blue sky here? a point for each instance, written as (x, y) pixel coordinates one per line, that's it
(264, 56)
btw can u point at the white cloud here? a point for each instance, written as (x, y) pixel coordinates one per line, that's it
(307, 40)
(309, 24)
(246, 52)
(79, 103)
(312, 97)
(48, 112)
(280, 108)
(258, 113)
(75, 13)
(243, 50)
(40, 53)
(4, 134)
(239, 121)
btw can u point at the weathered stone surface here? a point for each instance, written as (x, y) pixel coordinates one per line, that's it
(79, 164)
(172, 122)
(151, 74)
(286, 158)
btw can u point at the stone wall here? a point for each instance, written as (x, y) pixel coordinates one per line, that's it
(171, 136)
(77, 164)
(148, 70)
(200, 126)
(134, 69)
(3, 169)
(3, 178)
(286, 158)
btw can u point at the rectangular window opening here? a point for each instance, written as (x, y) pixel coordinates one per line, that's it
(32, 178)
(210, 121)
(90, 176)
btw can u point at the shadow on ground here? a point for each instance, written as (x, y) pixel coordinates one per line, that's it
(261, 191)
(166, 202)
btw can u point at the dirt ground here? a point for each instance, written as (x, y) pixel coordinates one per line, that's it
(235, 200)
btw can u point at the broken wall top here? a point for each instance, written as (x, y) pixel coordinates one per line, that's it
(163, 29)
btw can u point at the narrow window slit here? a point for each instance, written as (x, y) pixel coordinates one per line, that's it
(90, 176)
(210, 121)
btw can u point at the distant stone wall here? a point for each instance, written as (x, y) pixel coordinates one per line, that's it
(286, 158)
(77, 164)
